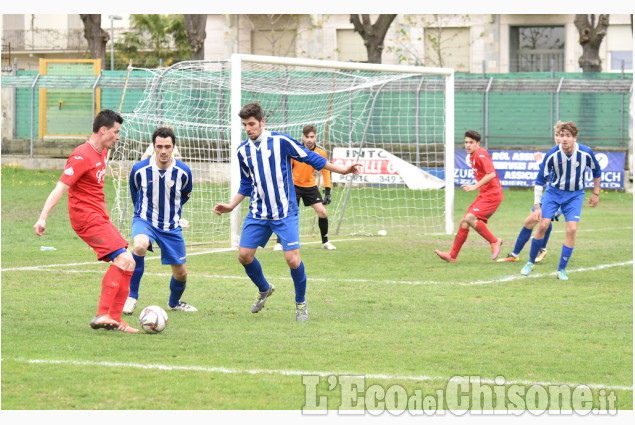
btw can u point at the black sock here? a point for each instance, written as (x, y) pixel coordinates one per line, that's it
(323, 223)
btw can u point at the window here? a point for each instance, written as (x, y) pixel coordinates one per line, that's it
(350, 46)
(447, 47)
(619, 43)
(537, 49)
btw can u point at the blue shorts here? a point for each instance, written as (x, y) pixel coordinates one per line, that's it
(569, 202)
(171, 242)
(555, 216)
(257, 232)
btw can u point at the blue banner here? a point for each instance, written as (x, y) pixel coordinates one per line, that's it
(519, 168)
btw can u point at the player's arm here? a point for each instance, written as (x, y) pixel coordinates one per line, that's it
(226, 208)
(595, 197)
(351, 169)
(134, 193)
(326, 177)
(55, 196)
(486, 179)
(187, 188)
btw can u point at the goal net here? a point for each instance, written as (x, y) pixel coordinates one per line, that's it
(396, 121)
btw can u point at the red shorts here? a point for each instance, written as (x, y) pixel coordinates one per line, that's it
(483, 208)
(102, 236)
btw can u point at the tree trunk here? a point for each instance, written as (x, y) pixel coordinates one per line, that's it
(96, 37)
(195, 28)
(373, 34)
(591, 37)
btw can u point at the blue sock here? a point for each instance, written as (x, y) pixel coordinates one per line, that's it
(135, 280)
(522, 239)
(177, 288)
(546, 238)
(536, 244)
(299, 281)
(254, 271)
(564, 257)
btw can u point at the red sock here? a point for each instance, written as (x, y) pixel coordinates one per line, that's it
(122, 294)
(109, 288)
(482, 230)
(460, 238)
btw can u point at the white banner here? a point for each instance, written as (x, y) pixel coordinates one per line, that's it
(381, 167)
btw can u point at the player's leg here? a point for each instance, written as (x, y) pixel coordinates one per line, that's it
(255, 233)
(173, 253)
(572, 209)
(125, 262)
(288, 229)
(480, 213)
(178, 283)
(323, 224)
(142, 239)
(536, 244)
(543, 249)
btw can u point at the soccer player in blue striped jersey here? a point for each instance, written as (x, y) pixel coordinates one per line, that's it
(564, 165)
(266, 177)
(159, 187)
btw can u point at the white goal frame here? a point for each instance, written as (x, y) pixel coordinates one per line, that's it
(236, 124)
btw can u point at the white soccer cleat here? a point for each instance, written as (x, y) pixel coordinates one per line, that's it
(277, 247)
(181, 306)
(328, 245)
(130, 305)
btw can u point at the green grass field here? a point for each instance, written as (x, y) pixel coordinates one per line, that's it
(383, 307)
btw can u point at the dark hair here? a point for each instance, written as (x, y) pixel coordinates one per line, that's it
(570, 125)
(163, 132)
(473, 134)
(106, 118)
(309, 129)
(252, 110)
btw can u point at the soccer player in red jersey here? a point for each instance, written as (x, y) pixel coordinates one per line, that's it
(83, 179)
(484, 206)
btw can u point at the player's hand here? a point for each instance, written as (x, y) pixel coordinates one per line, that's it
(537, 213)
(222, 208)
(40, 227)
(353, 169)
(327, 196)
(594, 200)
(468, 187)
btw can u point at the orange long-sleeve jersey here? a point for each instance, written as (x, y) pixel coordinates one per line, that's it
(304, 174)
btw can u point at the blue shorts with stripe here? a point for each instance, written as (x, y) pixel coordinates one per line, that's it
(570, 203)
(257, 232)
(171, 242)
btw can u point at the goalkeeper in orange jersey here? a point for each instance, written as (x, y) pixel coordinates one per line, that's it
(306, 187)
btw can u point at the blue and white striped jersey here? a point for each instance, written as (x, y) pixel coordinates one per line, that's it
(566, 172)
(266, 175)
(158, 195)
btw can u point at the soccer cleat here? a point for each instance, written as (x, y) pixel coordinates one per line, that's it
(562, 275)
(541, 255)
(496, 248)
(124, 327)
(277, 247)
(301, 312)
(262, 297)
(445, 256)
(103, 322)
(328, 245)
(182, 306)
(129, 306)
(510, 257)
(529, 267)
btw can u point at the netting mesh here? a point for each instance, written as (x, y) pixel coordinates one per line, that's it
(366, 113)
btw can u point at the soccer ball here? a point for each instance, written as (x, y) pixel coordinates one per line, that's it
(153, 319)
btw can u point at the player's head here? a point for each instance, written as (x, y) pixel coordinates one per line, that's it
(253, 119)
(106, 127)
(309, 134)
(164, 132)
(568, 136)
(472, 141)
(163, 140)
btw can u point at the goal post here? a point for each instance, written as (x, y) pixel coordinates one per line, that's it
(397, 121)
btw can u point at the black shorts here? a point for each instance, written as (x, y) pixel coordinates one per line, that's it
(309, 195)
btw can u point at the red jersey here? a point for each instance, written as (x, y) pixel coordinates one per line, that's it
(482, 165)
(84, 173)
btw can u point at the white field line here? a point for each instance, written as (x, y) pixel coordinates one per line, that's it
(511, 278)
(224, 370)
(154, 257)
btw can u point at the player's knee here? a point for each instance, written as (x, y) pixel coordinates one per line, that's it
(140, 246)
(245, 258)
(180, 275)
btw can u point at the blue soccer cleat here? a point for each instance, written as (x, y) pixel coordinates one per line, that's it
(562, 275)
(529, 267)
